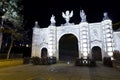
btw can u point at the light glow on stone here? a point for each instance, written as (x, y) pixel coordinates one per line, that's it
(50, 52)
(84, 40)
(108, 30)
(110, 54)
(83, 28)
(84, 49)
(85, 54)
(107, 26)
(84, 32)
(109, 39)
(108, 35)
(109, 48)
(84, 45)
(84, 36)
(109, 44)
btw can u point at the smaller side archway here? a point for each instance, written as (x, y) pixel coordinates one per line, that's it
(44, 53)
(97, 53)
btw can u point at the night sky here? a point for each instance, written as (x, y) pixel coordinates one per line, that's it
(41, 11)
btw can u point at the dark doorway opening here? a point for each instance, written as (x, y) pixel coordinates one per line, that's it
(96, 53)
(68, 48)
(44, 53)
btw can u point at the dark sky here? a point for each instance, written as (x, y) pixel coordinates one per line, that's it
(41, 11)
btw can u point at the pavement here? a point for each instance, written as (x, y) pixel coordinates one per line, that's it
(59, 71)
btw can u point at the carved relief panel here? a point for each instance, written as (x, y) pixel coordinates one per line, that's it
(95, 32)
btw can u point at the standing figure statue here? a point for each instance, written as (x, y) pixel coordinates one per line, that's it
(105, 16)
(67, 15)
(83, 16)
(52, 20)
(36, 24)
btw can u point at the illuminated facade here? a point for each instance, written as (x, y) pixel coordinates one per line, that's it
(89, 35)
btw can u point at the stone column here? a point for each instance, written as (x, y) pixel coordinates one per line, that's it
(84, 39)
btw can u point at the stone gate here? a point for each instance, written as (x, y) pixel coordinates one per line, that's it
(90, 36)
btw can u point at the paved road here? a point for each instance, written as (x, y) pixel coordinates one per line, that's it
(60, 71)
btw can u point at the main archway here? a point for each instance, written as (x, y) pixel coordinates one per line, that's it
(68, 48)
(96, 53)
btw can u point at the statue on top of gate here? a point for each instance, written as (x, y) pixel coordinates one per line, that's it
(105, 16)
(83, 16)
(52, 20)
(67, 15)
(36, 24)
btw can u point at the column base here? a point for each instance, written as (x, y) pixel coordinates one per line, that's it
(52, 60)
(85, 62)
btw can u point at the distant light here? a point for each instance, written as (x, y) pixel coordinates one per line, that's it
(6, 44)
(27, 45)
(68, 62)
(3, 17)
(20, 44)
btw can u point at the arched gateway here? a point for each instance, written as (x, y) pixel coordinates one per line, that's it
(68, 47)
(87, 36)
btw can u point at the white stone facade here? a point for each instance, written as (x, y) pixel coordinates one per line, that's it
(88, 35)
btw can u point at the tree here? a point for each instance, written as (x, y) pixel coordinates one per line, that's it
(13, 20)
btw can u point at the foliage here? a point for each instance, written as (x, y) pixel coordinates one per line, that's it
(116, 61)
(116, 55)
(26, 60)
(43, 61)
(107, 61)
(12, 20)
(36, 60)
